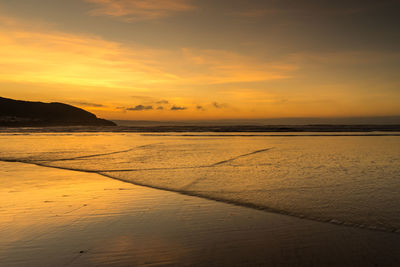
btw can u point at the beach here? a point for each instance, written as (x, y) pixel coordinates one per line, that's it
(199, 133)
(53, 217)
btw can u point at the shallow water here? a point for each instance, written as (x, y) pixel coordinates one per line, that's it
(53, 217)
(350, 180)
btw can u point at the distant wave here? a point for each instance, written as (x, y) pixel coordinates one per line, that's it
(245, 130)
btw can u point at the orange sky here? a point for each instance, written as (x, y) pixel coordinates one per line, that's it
(183, 59)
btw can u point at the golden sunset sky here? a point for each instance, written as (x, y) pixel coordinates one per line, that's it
(204, 59)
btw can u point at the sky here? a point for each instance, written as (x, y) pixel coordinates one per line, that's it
(204, 59)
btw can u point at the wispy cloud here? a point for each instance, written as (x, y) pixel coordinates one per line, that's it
(198, 107)
(174, 108)
(219, 105)
(41, 55)
(86, 104)
(140, 108)
(132, 10)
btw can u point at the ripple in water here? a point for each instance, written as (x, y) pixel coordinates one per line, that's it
(349, 180)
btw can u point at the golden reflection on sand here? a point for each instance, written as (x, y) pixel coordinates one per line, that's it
(35, 200)
(45, 209)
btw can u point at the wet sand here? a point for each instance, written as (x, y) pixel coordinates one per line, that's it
(52, 217)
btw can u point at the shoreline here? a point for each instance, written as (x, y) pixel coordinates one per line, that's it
(204, 232)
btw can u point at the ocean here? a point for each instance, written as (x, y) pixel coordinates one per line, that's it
(337, 178)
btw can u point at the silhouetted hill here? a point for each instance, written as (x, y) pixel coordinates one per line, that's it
(25, 113)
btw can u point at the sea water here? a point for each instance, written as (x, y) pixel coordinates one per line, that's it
(352, 180)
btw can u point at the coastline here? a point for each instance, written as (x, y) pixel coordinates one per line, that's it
(58, 217)
(314, 129)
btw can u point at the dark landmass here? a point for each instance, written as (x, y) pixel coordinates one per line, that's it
(16, 113)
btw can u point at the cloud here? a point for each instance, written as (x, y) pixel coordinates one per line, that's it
(33, 53)
(160, 108)
(162, 102)
(86, 104)
(177, 108)
(36, 54)
(133, 10)
(218, 105)
(140, 108)
(198, 107)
